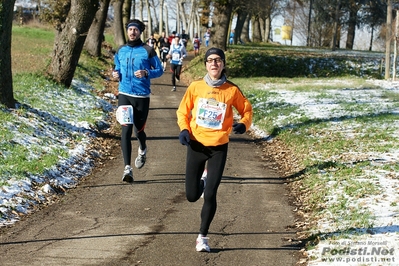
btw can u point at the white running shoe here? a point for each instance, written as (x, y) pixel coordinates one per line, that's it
(141, 158)
(128, 174)
(174, 89)
(204, 177)
(202, 244)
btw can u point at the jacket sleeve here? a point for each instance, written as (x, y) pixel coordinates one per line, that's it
(184, 111)
(184, 52)
(156, 68)
(244, 108)
(116, 62)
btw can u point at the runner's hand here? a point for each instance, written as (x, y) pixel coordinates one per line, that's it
(115, 74)
(239, 128)
(184, 137)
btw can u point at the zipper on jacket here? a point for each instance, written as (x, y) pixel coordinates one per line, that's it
(127, 67)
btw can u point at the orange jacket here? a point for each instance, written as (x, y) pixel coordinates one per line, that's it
(207, 113)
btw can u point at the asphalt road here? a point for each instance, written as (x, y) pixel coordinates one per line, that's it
(104, 221)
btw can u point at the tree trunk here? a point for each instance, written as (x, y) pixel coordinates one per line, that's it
(268, 28)
(155, 24)
(241, 18)
(192, 29)
(256, 35)
(183, 15)
(161, 25)
(6, 87)
(119, 29)
(69, 40)
(388, 40)
(166, 19)
(95, 36)
(141, 8)
(221, 20)
(351, 29)
(371, 39)
(177, 28)
(308, 37)
(148, 31)
(133, 14)
(335, 26)
(244, 37)
(126, 11)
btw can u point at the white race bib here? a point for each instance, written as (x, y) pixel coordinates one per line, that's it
(210, 113)
(124, 114)
(176, 56)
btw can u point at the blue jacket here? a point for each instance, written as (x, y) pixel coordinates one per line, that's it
(129, 59)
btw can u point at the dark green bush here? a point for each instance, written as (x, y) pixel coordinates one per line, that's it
(265, 64)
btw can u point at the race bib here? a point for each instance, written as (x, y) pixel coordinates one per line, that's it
(175, 56)
(124, 114)
(210, 113)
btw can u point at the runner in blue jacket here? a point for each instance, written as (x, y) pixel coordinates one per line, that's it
(176, 54)
(135, 64)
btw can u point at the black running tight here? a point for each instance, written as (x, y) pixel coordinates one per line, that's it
(197, 156)
(176, 69)
(140, 113)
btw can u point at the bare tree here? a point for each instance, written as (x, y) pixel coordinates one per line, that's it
(119, 29)
(183, 14)
(141, 8)
(69, 40)
(373, 16)
(205, 13)
(166, 19)
(221, 20)
(149, 19)
(353, 21)
(96, 32)
(242, 16)
(126, 11)
(308, 37)
(6, 87)
(161, 7)
(244, 37)
(155, 27)
(266, 15)
(388, 40)
(335, 40)
(256, 31)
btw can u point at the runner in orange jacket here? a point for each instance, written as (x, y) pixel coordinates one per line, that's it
(205, 118)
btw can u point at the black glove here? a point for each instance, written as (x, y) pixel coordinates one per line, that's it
(239, 128)
(184, 137)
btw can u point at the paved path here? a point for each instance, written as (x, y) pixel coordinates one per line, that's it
(107, 222)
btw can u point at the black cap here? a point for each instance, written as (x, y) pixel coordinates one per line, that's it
(216, 51)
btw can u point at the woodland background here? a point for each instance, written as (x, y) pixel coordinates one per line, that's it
(80, 25)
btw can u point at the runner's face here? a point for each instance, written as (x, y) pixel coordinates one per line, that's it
(133, 33)
(214, 66)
